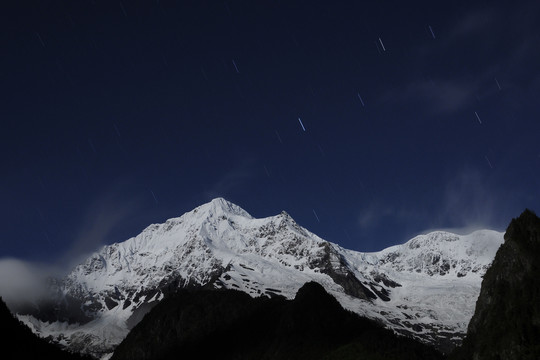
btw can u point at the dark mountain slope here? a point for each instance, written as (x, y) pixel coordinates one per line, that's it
(232, 325)
(506, 323)
(18, 342)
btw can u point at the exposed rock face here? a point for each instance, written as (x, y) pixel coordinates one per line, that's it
(333, 264)
(506, 322)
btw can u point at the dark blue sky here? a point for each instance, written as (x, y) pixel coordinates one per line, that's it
(119, 114)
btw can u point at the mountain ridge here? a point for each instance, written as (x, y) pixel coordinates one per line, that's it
(417, 289)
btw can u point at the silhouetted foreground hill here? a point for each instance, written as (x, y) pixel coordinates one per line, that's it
(18, 341)
(230, 324)
(506, 322)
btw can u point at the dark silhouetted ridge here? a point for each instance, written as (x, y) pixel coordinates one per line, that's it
(228, 324)
(506, 322)
(18, 341)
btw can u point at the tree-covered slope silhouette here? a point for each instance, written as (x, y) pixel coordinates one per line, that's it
(18, 341)
(231, 325)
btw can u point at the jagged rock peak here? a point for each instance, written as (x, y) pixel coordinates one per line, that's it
(524, 229)
(285, 214)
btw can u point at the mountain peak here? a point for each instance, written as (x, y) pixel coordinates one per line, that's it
(219, 201)
(221, 206)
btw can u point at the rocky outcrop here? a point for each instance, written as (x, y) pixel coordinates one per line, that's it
(333, 264)
(506, 322)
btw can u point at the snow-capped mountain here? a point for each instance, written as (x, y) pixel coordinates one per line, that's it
(426, 288)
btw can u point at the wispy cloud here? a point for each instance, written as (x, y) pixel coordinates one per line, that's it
(446, 85)
(468, 204)
(473, 22)
(376, 213)
(441, 95)
(468, 201)
(102, 217)
(22, 281)
(371, 215)
(230, 180)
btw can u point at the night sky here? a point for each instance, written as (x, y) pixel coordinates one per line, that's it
(368, 122)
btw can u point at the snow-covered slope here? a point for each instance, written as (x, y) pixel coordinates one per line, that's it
(433, 280)
(426, 287)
